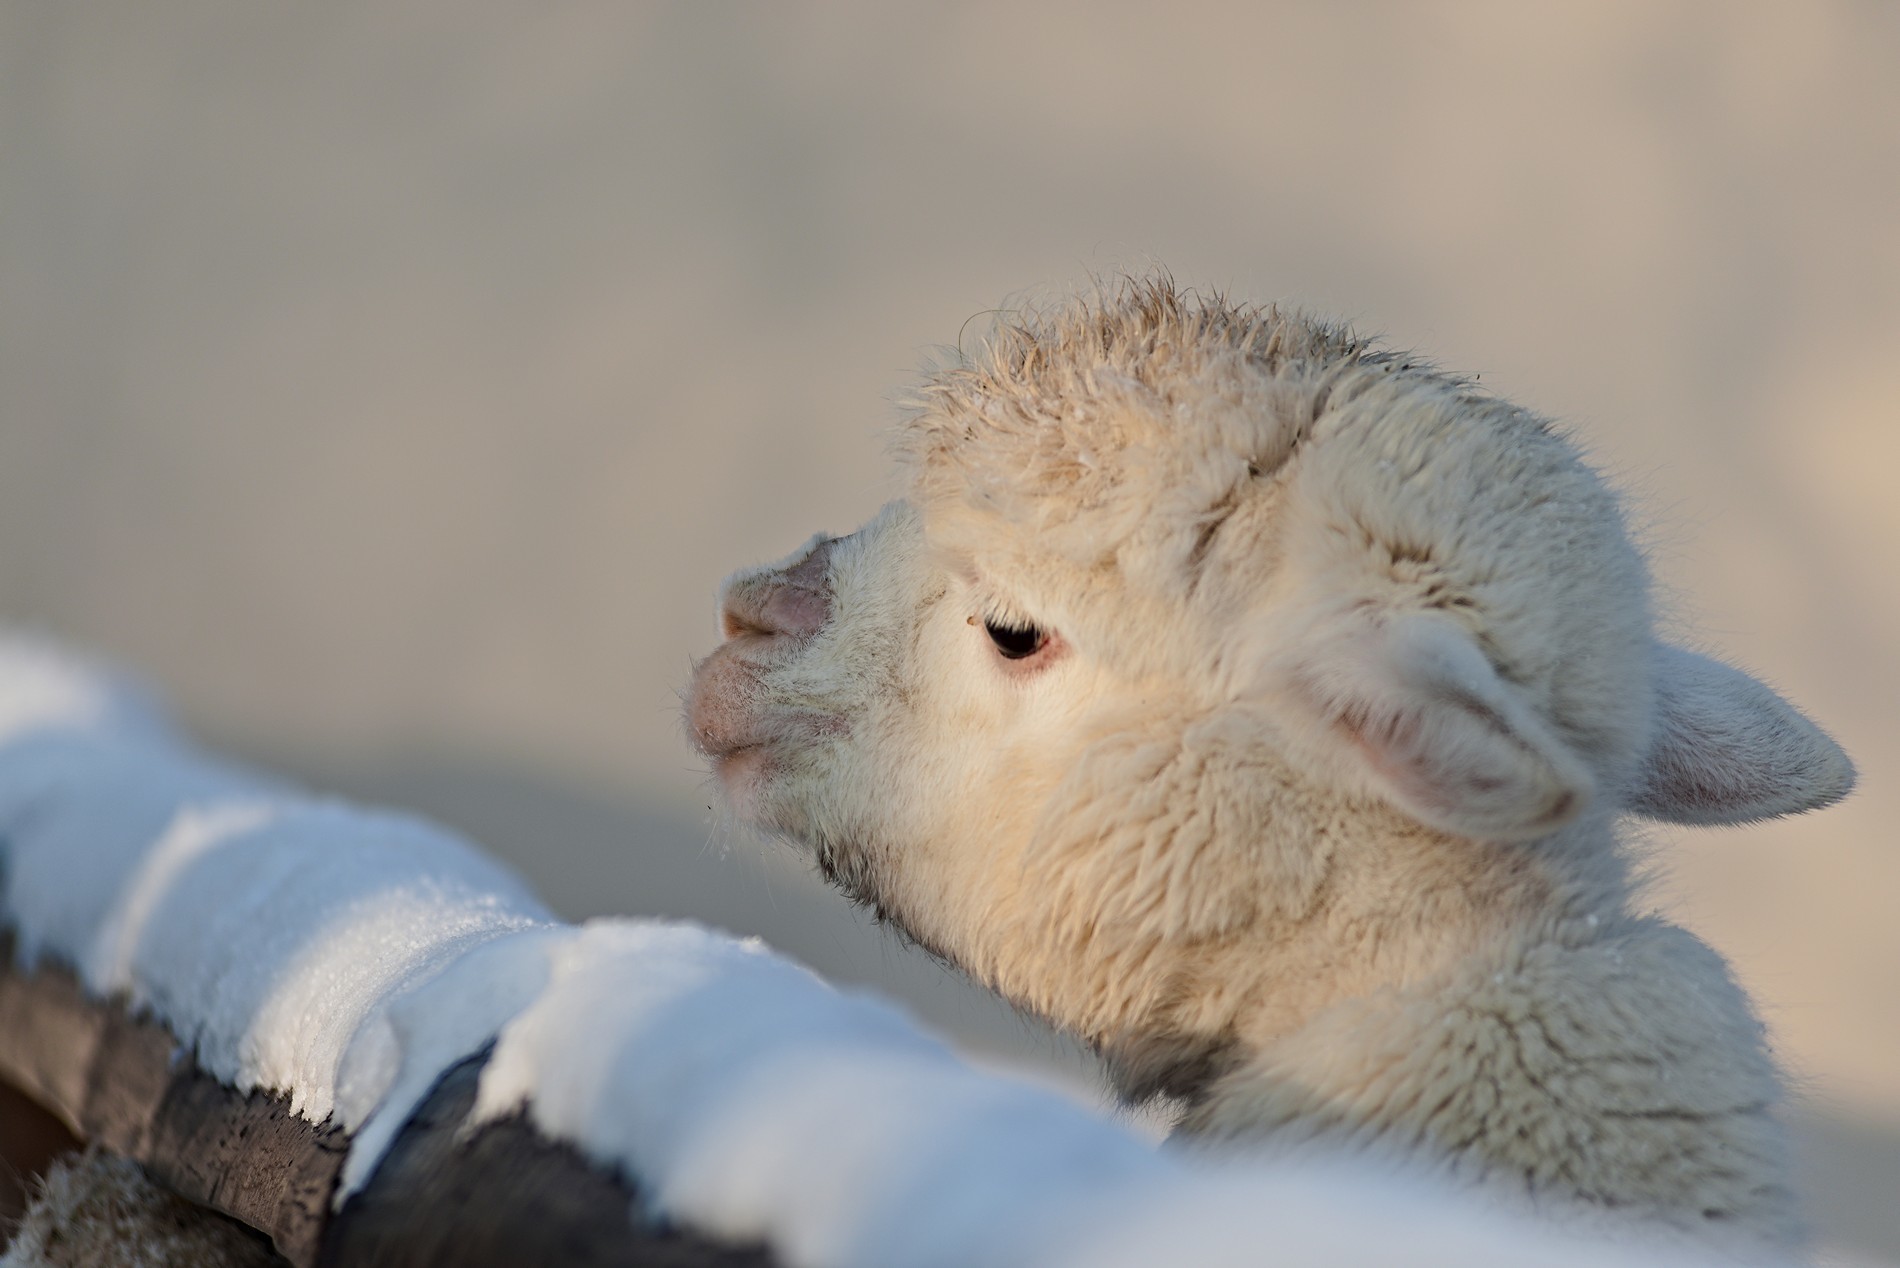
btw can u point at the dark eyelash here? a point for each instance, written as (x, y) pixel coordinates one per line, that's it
(1015, 642)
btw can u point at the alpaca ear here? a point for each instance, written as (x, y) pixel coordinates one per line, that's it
(1727, 749)
(1413, 705)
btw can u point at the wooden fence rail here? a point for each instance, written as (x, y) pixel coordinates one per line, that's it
(501, 1195)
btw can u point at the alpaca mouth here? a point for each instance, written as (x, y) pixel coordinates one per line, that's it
(758, 775)
(722, 705)
(730, 718)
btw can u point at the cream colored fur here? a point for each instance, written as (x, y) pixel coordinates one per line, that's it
(1306, 813)
(101, 1211)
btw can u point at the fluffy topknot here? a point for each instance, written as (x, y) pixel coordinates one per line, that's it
(1097, 407)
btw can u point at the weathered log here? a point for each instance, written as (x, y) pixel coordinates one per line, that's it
(502, 1195)
(30, 1141)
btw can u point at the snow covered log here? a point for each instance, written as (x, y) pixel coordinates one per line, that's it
(123, 1080)
(363, 1038)
(514, 1196)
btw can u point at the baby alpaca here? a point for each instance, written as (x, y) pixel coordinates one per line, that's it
(1259, 705)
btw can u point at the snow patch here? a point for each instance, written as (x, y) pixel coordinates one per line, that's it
(111, 960)
(428, 1026)
(43, 686)
(762, 1105)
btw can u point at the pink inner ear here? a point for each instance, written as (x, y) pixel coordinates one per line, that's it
(1379, 742)
(1441, 737)
(1395, 751)
(1380, 756)
(1489, 786)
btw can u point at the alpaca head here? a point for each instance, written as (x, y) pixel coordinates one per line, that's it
(1197, 621)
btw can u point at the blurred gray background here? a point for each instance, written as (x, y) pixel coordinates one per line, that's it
(392, 383)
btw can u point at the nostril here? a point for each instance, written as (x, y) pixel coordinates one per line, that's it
(810, 572)
(793, 602)
(796, 611)
(733, 625)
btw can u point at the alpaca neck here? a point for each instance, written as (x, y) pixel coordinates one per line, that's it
(1402, 909)
(1596, 1064)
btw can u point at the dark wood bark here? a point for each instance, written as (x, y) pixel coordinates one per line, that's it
(505, 1195)
(560, 1210)
(30, 1140)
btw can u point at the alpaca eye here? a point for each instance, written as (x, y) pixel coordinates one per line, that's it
(1015, 642)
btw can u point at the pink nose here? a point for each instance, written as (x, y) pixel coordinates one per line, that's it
(794, 602)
